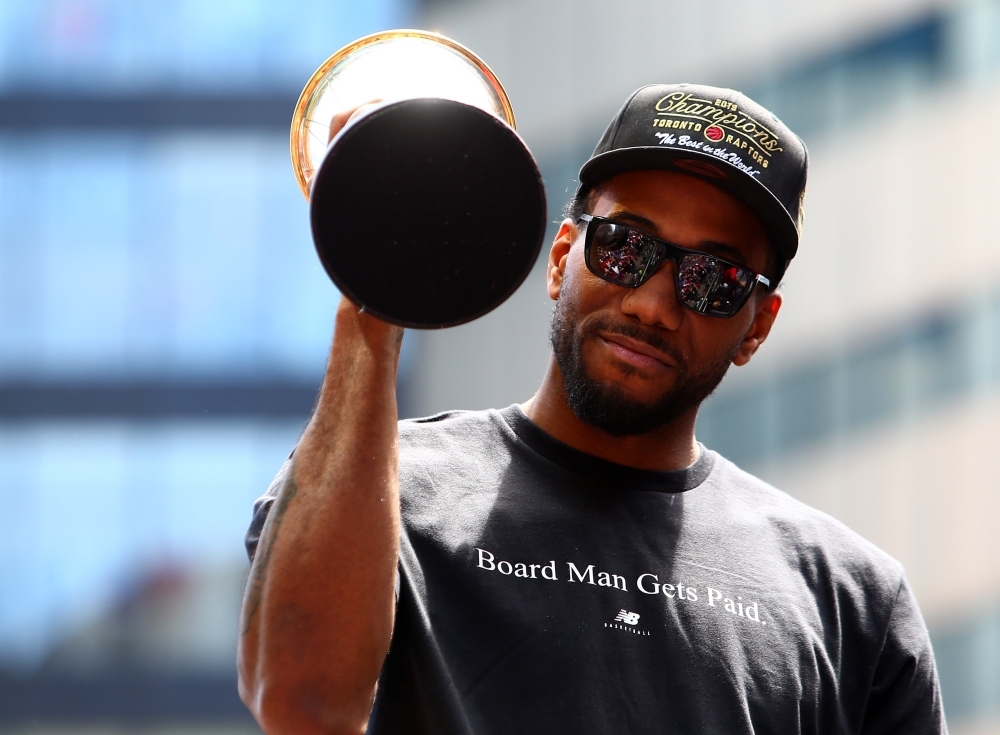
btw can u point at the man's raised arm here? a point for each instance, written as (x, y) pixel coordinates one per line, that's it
(318, 609)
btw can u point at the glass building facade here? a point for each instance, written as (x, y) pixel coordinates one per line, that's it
(163, 326)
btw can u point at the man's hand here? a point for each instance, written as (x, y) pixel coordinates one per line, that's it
(340, 120)
(319, 606)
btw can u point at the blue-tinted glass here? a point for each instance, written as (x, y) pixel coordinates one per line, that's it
(736, 425)
(912, 367)
(806, 406)
(942, 357)
(874, 384)
(157, 255)
(968, 659)
(167, 255)
(221, 44)
(85, 505)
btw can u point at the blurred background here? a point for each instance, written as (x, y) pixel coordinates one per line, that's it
(164, 320)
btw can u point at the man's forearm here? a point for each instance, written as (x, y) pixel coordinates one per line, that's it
(318, 611)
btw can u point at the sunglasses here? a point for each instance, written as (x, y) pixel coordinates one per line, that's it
(627, 256)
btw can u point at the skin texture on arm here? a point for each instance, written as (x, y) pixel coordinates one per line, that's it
(318, 611)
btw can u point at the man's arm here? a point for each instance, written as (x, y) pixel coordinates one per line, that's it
(318, 609)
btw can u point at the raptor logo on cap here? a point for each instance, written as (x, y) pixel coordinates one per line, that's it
(714, 133)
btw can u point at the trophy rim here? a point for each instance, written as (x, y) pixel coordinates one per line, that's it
(298, 128)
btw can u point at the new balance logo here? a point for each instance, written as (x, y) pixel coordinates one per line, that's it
(630, 619)
(627, 617)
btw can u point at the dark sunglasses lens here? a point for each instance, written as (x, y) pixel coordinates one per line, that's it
(618, 253)
(710, 286)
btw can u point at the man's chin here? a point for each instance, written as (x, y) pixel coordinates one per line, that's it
(618, 412)
(636, 391)
(631, 403)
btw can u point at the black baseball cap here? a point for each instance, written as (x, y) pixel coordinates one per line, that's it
(716, 134)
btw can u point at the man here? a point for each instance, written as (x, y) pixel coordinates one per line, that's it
(579, 563)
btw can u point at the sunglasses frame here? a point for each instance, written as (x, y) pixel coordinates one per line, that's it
(673, 253)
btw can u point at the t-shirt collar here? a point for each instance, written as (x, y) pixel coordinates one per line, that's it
(601, 470)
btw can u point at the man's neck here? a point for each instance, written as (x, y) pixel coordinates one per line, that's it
(672, 447)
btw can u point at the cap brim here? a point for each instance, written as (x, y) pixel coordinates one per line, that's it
(779, 224)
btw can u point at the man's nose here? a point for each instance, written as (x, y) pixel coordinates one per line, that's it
(655, 302)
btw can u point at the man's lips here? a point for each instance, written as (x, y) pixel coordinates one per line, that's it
(638, 353)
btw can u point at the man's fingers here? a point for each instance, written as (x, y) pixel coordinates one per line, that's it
(340, 119)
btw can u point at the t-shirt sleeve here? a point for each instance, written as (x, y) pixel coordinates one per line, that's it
(905, 696)
(262, 506)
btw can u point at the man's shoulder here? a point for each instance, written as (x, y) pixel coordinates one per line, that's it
(816, 536)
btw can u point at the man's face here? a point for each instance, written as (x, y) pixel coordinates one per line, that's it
(634, 360)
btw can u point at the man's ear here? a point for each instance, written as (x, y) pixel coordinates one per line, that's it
(767, 312)
(558, 255)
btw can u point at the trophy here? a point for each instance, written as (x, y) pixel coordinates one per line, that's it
(427, 209)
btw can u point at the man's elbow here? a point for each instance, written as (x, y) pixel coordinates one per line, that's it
(282, 708)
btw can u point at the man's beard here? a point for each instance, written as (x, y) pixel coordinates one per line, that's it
(608, 407)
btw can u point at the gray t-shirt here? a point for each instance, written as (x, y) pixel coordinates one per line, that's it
(545, 590)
